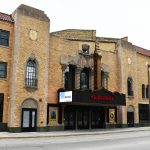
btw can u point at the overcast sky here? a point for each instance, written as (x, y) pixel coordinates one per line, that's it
(110, 18)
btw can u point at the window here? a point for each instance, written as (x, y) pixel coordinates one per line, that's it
(70, 77)
(4, 37)
(85, 48)
(31, 77)
(130, 86)
(104, 79)
(3, 69)
(84, 79)
(143, 91)
(147, 91)
(1, 106)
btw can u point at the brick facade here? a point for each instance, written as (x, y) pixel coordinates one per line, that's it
(53, 52)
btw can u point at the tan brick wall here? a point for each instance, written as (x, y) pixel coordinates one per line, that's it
(130, 70)
(142, 73)
(109, 57)
(59, 47)
(5, 56)
(76, 34)
(106, 46)
(23, 49)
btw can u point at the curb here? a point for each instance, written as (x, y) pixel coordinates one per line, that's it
(73, 134)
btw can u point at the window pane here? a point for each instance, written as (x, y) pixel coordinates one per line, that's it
(26, 115)
(130, 86)
(84, 79)
(31, 73)
(4, 38)
(3, 70)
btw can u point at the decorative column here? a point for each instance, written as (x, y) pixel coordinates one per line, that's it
(78, 71)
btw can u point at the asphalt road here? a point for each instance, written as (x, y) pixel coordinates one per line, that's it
(116, 141)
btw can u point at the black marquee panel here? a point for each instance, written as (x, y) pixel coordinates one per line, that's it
(99, 97)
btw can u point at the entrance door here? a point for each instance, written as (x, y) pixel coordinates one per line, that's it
(83, 119)
(97, 118)
(29, 119)
(130, 119)
(69, 119)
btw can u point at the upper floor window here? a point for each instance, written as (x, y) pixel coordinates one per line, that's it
(31, 74)
(143, 91)
(70, 77)
(130, 86)
(84, 79)
(85, 48)
(104, 79)
(3, 69)
(1, 106)
(147, 89)
(4, 37)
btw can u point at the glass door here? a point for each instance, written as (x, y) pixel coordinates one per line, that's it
(83, 119)
(29, 119)
(69, 120)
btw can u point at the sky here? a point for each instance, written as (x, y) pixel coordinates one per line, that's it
(110, 18)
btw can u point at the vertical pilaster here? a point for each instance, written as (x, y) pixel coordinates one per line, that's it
(78, 71)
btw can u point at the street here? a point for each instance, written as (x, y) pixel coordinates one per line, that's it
(139, 140)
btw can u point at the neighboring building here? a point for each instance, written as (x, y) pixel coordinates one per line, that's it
(68, 79)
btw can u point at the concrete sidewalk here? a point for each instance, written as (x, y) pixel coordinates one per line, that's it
(7, 135)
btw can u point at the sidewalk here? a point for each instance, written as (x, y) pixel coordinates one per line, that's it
(6, 135)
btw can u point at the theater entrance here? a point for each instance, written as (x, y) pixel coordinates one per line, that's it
(83, 117)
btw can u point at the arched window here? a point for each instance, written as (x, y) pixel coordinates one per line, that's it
(84, 79)
(130, 86)
(143, 91)
(147, 91)
(31, 70)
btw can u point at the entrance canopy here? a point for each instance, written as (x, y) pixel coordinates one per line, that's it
(98, 97)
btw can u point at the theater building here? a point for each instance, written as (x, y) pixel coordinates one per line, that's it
(69, 79)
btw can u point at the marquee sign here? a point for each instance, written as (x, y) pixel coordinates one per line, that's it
(65, 96)
(98, 97)
(102, 98)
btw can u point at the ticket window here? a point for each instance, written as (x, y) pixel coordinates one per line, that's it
(53, 116)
